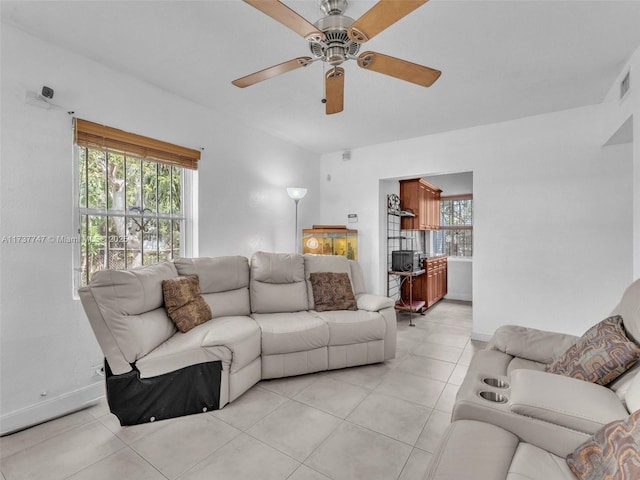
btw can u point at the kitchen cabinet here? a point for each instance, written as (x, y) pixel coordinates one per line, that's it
(423, 199)
(436, 275)
(432, 286)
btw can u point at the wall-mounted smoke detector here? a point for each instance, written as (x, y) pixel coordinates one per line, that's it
(625, 85)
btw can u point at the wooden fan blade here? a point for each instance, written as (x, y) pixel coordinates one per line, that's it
(334, 87)
(283, 14)
(382, 15)
(411, 72)
(272, 71)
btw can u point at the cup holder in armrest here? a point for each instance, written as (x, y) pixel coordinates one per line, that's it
(494, 397)
(495, 382)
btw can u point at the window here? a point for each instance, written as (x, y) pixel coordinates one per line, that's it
(455, 237)
(131, 199)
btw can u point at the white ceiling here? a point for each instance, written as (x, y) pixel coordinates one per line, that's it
(500, 60)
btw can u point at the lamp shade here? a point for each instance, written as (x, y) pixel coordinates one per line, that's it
(296, 193)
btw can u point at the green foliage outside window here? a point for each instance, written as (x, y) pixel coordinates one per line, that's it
(130, 211)
(455, 237)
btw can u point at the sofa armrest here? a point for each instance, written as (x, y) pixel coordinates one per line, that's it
(472, 449)
(373, 303)
(530, 343)
(564, 401)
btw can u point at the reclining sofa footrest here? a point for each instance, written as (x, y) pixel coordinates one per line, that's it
(189, 390)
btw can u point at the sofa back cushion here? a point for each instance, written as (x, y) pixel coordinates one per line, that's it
(323, 264)
(131, 305)
(629, 310)
(357, 278)
(277, 283)
(224, 282)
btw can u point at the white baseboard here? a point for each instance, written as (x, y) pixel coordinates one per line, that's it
(51, 408)
(461, 296)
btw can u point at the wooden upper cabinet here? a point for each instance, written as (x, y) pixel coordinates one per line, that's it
(423, 199)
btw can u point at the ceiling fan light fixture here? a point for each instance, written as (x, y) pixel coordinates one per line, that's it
(335, 55)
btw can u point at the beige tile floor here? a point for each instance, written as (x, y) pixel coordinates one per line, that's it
(373, 422)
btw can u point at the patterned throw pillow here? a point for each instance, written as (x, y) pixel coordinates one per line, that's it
(600, 356)
(183, 302)
(613, 453)
(332, 291)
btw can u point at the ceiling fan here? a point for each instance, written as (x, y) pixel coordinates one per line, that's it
(336, 38)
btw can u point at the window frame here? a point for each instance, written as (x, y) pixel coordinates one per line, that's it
(188, 209)
(452, 228)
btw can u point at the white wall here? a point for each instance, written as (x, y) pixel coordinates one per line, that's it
(454, 183)
(552, 214)
(460, 270)
(619, 111)
(47, 346)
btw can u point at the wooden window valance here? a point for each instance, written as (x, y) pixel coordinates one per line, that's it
(89, 134)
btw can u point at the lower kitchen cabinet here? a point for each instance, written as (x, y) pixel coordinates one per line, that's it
(432, 286)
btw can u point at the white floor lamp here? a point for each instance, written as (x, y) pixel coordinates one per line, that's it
(297, 193)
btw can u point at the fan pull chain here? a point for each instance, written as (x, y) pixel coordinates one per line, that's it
(324, 83)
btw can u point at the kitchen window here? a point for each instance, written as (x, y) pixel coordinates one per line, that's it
(455, 237)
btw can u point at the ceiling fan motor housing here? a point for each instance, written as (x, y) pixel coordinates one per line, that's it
(337, 46)
(332, 7)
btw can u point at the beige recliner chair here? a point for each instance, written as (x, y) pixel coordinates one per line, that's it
(514, 420)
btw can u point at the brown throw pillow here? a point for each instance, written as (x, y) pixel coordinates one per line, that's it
(600, 356)
(332, 291)
(183, 302)
(613, 453)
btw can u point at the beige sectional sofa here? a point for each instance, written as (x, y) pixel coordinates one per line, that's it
(264, 325)
(513, 420)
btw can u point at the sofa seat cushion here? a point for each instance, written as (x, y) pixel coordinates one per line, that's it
(233, 340)
(347, 327)
(291, 332)
(533, 463)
